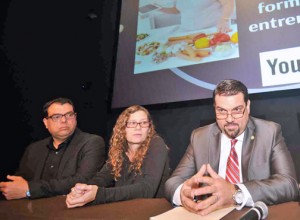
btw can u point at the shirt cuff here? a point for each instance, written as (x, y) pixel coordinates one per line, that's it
(248, 201)
(176, 198)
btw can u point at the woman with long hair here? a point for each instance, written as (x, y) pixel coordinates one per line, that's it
(137, 165)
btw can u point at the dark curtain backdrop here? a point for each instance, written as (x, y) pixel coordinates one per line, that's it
(67, 48)
(53, 48)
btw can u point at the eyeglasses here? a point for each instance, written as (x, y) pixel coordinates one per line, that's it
(58, 117)
(235, 113)
(134, 124)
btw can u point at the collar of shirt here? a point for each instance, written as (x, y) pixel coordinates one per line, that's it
(225, 150)
(50, 145)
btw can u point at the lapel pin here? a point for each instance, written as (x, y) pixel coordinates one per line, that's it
(252, 137)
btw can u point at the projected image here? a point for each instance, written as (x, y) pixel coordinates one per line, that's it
(176, 33)
(169, 50)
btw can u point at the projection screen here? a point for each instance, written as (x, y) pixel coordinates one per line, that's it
(176, 50)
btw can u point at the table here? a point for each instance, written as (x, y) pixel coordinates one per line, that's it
(137, 209)
(55, 208)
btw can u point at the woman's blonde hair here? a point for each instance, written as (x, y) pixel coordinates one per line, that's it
(118, 143)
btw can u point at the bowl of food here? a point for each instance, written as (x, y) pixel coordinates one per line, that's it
(223, 49)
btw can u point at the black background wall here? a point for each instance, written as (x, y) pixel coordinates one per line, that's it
(53, 48)
(66, 48)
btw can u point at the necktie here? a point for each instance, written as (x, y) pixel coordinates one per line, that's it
(232, 170)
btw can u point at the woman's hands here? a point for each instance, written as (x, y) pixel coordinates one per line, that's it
(81, 194)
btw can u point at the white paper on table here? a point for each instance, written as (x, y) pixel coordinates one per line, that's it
(180, 213)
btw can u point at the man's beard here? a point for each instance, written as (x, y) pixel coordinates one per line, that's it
(232, 133)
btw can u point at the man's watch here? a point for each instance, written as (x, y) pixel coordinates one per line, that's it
(28, 196)
(238, 196)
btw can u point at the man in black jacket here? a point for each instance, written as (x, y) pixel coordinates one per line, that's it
(53, 165)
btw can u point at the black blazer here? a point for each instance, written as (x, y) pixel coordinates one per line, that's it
(84, 156)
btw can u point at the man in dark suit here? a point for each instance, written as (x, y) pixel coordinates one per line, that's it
(53, 165)
(214, 173)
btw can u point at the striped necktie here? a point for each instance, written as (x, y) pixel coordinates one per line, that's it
(232, 170)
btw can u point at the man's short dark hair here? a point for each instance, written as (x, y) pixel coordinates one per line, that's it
(60, 100)
(231, 87)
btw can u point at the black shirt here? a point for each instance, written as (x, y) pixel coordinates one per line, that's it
(53, 159)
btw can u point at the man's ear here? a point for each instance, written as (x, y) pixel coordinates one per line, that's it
(248, 106)
(45, 122)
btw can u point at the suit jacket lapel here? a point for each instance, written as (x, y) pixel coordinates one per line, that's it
(248, 143)
(42, 154)
(215, 148)
(71, 149)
